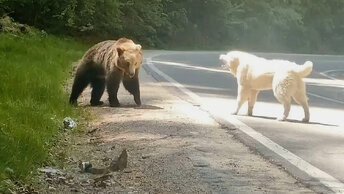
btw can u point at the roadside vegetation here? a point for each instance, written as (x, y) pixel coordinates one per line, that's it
(298, 26)
(33, 69)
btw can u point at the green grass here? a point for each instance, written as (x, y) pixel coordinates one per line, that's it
(33, 102)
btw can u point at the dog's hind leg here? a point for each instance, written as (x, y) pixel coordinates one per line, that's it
(243, 95)
(301, 98)
(286, 104)
(251, 101)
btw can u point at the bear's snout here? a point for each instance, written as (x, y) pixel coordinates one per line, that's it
(131, 75)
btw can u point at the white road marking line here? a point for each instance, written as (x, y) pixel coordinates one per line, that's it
(191, 66)
(303, 55)
(324, 82)
(172, 81)
(324, 73)
(329, 181)
(225, 71)
(325, 98)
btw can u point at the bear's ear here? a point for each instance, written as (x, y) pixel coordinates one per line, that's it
(138, 47)
(120, 51)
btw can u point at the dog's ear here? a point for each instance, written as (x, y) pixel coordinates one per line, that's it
(235, 62)
(223, 58)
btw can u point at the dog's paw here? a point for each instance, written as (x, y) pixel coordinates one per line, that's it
(305, 120)
(282, 118)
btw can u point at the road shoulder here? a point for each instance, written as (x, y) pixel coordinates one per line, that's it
(173, 147)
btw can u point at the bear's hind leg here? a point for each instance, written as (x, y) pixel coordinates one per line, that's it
(81, 81)
(98, 85)
(133, 86)
(112, 84)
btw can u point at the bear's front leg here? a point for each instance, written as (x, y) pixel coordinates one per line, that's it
(112, 84)
(133, 86)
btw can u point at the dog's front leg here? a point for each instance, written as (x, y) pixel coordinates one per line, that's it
(251, 101)
(241, 98)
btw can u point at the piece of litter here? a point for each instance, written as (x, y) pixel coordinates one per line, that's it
(50, 172)
(68, 123)
(85, 166)
(9, 170)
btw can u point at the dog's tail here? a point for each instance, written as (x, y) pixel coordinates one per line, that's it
(305, 69)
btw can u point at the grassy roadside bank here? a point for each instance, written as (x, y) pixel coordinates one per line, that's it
(33, 102)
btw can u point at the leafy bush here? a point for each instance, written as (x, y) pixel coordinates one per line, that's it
(288, 25)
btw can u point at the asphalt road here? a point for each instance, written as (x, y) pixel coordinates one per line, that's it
(320, 143)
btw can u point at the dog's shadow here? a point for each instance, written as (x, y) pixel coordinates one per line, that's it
(294, 121)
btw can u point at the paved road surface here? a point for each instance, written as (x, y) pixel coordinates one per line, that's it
(319, 143)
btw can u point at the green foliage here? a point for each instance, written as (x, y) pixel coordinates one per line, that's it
(33, 102)
(264, 25)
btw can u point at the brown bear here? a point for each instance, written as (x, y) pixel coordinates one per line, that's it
(109, 63)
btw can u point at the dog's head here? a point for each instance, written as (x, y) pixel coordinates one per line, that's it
(230, 62)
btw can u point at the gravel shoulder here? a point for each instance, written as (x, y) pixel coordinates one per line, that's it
(173, 147)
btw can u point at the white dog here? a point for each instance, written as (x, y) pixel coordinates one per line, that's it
(255, 74)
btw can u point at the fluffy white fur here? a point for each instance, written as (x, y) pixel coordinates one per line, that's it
(255, 74)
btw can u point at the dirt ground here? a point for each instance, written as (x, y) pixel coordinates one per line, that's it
(172, 146)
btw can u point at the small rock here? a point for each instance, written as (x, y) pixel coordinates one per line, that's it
(74, 190)
(105, 159)
(68, 123)
(100, 184)
(61, 179)
(121, 163)
(85, 182)
(201, 165)
(103, 178)
(127, 171)
(51, 188)
(93, 130)
(70, 183)
(49, 180)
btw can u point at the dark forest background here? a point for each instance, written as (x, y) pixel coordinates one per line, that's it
(306, 26)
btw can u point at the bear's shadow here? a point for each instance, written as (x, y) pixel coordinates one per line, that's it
(144, 106)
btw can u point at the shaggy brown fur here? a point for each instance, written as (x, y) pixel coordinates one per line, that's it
(108, 63)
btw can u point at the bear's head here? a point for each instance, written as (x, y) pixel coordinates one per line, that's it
(129, 58)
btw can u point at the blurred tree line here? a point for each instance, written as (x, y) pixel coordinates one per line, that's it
(307, 26)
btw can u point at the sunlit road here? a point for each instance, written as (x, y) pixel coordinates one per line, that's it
(320, 143)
